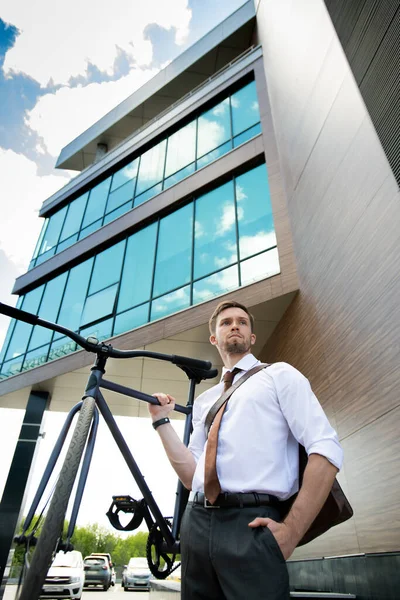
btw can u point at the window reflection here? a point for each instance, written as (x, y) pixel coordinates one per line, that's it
(125, 174)
(151, 167)
(48, 310)
(107, 267)
(174, 250)
(214, 128)
(259, 267)
(53, 230)
(74, 216)
(205, 139)
(97, 202)
(170, 303)
(181, 149)
(215, 231)
(186, 257)
(131, 318)
(137, 274)
(245, 110)
(215, 285)
(99, 305)
(255, 221)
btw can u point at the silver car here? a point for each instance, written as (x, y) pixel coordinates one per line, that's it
(136, 574)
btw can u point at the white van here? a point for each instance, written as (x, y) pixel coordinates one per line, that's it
(65, 577)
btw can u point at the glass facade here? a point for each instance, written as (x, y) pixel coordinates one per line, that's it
(215, 243)
(210, 135)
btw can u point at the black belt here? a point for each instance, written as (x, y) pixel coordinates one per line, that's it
(238, 500)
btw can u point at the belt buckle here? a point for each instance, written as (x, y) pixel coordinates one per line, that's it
(207, 504)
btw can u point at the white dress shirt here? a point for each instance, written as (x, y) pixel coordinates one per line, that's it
(263, 421)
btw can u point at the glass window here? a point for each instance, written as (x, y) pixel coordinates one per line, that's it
(36, 358)
(120, 196)
(97, 202)
(41, 236)
(131, 318)
(214, 128)
(107, 267)
(245, 111)
(137, 274)
(170, 303)
(53, 230)
(73, 220)
(48, 310)
(215, 285)
(117, 213)
(181, 149)
(22, 331)
(215, 231)
(61, 347)
(174, 251)
(101, 331)
(99, 305)
(256, 226)
(67, 243)
(151, 167)
(179, 176)
(88, 230)
(246, 135)
(214, 154)
(260, 266)
(12, 367)
(43, 257)
(125, 174)
(74, 297)
(147, 195)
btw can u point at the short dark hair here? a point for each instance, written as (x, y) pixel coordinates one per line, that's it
(223, 306)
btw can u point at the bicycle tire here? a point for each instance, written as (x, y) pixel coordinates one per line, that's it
(54, 521)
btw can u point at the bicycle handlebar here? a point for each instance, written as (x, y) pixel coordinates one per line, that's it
(101, 348)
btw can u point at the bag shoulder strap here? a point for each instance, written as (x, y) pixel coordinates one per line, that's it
(226, 395)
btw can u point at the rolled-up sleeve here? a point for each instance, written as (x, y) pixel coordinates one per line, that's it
(304, 414)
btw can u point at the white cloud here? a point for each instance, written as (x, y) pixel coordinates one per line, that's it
(65, 40)
(60, 117)
(251, 244)
(22, 192)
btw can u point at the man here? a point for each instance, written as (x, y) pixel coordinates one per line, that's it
(236, 545)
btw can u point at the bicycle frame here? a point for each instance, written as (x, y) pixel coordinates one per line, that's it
(195, 370)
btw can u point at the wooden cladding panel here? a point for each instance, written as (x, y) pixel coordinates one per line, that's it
(343, 327)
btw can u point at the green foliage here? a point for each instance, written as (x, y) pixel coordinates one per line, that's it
(95, 538)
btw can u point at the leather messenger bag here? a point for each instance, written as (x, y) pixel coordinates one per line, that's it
(336, 508)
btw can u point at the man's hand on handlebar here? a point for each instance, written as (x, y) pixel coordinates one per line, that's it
(167, 403)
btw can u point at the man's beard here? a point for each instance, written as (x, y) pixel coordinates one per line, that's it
(237, 347)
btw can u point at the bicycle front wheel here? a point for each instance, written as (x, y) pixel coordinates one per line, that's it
(54, 521)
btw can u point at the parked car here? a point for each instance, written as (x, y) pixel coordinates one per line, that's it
(110, 562)
(97, 571)
(65, 577)
(136, 574)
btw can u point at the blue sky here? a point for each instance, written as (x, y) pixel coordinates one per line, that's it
(60, 71)
(62, 67)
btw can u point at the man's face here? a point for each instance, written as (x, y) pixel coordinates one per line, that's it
(233, 332)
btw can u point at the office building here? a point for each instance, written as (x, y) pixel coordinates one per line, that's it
(262, 165)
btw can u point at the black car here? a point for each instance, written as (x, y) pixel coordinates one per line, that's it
(97, 571)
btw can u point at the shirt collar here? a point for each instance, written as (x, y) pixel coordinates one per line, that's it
(245, 363)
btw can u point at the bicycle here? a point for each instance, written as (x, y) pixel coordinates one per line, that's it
(163, 540)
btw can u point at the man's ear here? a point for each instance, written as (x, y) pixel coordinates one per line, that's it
(253, 339)
(213, 340)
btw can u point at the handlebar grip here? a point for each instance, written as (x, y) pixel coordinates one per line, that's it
(17, 313)
(184, 361)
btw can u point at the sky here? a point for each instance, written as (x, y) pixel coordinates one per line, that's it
(62, 67)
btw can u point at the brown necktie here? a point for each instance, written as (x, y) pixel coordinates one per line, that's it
(212, 486)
